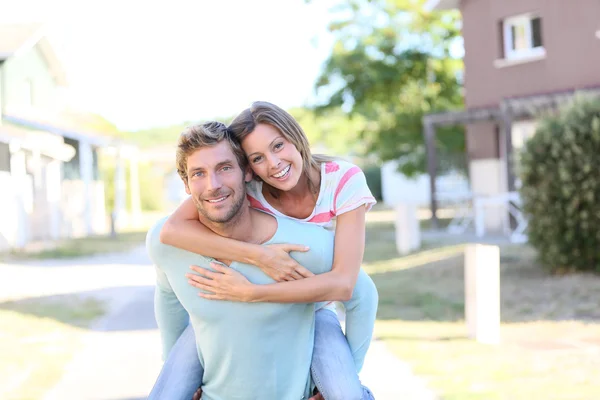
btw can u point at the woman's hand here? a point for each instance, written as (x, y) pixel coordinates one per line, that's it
(279, 265)
(224, 284)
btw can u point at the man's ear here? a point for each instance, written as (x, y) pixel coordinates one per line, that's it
(187, 188)
(248, 174)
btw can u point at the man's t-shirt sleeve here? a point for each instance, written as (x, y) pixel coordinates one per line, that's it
(171, 317)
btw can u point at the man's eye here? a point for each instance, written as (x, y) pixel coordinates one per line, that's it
(226, 168)
(198, 173)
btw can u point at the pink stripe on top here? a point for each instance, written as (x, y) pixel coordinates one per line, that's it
(349, 174)
(257, 204)
(331, 167)
(322, 217)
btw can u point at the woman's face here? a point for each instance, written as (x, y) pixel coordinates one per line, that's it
(272, 157)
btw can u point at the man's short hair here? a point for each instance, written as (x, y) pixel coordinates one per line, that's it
(202, 135)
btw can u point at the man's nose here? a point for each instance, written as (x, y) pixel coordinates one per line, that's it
(214, 182)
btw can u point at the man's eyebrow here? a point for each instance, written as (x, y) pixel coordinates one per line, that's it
(195, 169)
(225, 162)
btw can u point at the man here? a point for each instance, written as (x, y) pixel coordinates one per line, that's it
(248, 350)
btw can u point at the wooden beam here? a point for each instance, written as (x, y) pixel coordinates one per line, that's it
(463, 116)
(431, 168)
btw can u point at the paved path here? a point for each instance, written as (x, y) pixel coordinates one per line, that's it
(121, 356)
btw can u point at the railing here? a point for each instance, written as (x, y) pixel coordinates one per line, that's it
(473, 211)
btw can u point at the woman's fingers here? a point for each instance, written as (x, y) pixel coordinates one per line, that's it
(296, 275)
(200, 280)
(294, 247)
(220, 267)
(201, 286)
(303, 271)
(211, 296)
(203, 271)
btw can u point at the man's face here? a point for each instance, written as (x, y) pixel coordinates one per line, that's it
(216, 182)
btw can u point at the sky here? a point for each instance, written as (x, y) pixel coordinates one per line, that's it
(146, 63)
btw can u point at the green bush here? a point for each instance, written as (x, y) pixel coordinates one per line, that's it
(373, 176)
(560, 171)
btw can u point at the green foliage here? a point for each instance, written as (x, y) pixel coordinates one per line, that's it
(391, 64)
(151, 187)
(332, 131)
(373, 175)
(561, 187)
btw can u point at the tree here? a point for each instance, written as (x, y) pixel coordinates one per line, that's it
(391, 64)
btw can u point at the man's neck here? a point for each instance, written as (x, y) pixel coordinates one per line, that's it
(246, 226)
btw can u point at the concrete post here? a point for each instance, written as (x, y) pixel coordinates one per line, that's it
(134, 181)
(19, 175)
(54, 188)
(118, 215)
(482, 292)
(86, 170)
(408, 233)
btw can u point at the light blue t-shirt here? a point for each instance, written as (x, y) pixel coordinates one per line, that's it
(249, 351)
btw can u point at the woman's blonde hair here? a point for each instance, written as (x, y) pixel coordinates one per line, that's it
(262, 112)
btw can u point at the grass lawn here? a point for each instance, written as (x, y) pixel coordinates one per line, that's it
(81, 247)
(37, 340)
(550, 332)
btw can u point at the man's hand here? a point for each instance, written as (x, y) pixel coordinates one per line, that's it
(198, 394)
(279, 265)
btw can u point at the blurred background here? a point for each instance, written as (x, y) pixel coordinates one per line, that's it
(475, 121)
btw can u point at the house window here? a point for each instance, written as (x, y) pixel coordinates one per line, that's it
(522, 37)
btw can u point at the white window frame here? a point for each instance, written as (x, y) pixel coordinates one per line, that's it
(530, 51)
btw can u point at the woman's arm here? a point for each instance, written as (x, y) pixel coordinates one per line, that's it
(184, 230)
(336, 285)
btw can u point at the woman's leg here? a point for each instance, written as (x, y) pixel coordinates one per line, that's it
(332, 367)
(181, 374)
(361, 311)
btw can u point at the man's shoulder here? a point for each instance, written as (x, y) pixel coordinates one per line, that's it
(162, 254)
(154, 246)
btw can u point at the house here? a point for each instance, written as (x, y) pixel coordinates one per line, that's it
(522, 57)
(48, 168)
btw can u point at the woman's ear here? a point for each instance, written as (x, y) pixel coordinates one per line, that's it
(248, 174)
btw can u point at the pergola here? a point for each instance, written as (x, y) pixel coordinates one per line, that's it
(509, 110)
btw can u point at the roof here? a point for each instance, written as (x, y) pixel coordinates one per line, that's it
(20, 37)
(431, 5)
(61, 127)
(46, 143)
(15, 36)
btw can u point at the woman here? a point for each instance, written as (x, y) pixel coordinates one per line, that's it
(292, 182)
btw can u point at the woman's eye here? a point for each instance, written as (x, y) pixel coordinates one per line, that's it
(278, 146)
(256, 159)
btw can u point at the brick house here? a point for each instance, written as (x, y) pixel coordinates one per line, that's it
(521, 57)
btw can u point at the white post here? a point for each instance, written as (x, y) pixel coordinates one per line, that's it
(408, 234)
(482, 292)
(19, 174)
(86, 170)
(54, 187)
(136, 204)
(120, 191)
